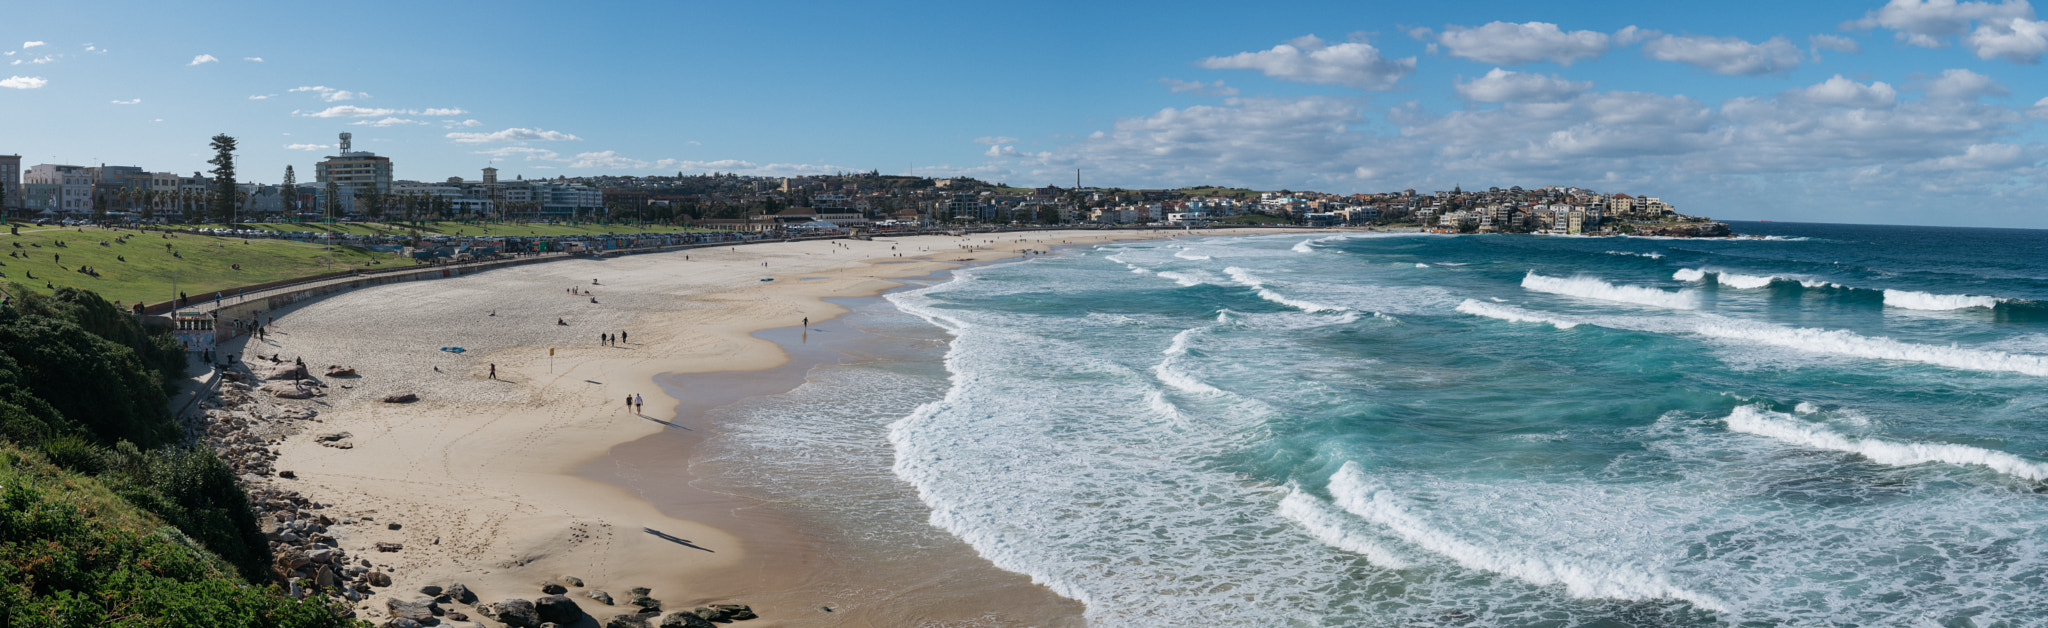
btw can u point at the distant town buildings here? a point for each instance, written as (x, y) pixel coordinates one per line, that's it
(365, 186)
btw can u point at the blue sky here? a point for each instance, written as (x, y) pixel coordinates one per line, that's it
(1910, 112)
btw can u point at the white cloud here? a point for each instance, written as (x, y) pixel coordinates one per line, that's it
(994, 139)
(9, 53)
(136, 101)
(1504, 86)
(1978, 157)
(2039, 110)
(531, 154)
(202, 59)
(306, 146)
(1959, 84)
(262, 96)
(1731, 56)
(1000, 151)
(391, 121)
(1847, 93)
(609, 160)
(2019, 40)
(440, 112)
(31, 44)
(1206, 89)
(254, 59)
(38, 60)
(349, 111)
(1515, 44)
(1308, 59)
(512, 135)
(1930, 23)
(330, 94)
(23, 82)
(1836, 43)
(1243, 139)
(451, 124)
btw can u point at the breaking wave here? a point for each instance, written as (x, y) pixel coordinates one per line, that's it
(1591, 288)
(1732, 280)
(1844, 343)
(1510, 313)
(1360, 496)
(1911, 300)
(1785, 428)
(1259, 285)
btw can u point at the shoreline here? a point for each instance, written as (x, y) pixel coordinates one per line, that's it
(488, 477)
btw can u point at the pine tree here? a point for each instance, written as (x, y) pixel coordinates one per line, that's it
(224, 177)
(288, 194)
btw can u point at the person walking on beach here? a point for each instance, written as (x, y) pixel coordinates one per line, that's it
(629, 402)
(494, 371)
(639, 404)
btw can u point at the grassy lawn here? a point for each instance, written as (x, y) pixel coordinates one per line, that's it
(464, 228)
(207, 263)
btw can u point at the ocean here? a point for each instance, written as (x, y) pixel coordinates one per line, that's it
(1819, 425)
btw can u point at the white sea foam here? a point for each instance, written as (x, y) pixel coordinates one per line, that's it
(1184, 254)
(1816, 283)
(1190, 278)
(1329, 527)
(1476, 307)
(1911, 300)
(1169, 370)
(1845, 343)
(1358, 495)
(1308, 246)
(1784, 427)
(1592, 288)
(1421, 265)
(1648, 255)
(1742, 282)
(1806, 407)
(1732, 280)
(1258, 285)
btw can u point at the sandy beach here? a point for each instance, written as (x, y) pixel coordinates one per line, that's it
(504, 484)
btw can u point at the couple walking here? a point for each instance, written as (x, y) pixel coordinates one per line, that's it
(635, 403)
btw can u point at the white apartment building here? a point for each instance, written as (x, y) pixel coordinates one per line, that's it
(71, 191)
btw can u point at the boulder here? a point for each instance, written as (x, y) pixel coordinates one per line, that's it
(600, 596)
(646, 603)
(402, 398)
(432, 590)
(634, 620)
(322, 556)
(558, 609)
(456, 591)
(402, 622)
(686, 619)
(420, 609)
(735, 612)
(552, 589)
(326, 577)
(267, 370)
(573, 581)
(332, 437)
(340, 371)
(385, 546)
(378, 579)
(289, 390)
(515, 612)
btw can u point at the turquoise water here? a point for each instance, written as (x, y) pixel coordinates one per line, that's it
(1503, 430)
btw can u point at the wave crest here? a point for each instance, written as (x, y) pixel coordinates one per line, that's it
(1592, 288)
(1784, 428)
(1911, 300)
(1510, 313)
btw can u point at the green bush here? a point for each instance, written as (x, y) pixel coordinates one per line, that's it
(72, 553)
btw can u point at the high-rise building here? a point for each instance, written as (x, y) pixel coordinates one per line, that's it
(357, 172)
